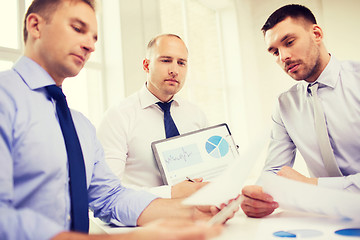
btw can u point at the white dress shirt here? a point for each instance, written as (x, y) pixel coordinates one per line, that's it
(129, 128)
(293, 126)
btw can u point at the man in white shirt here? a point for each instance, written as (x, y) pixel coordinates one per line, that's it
(296, 41)
(129, 128)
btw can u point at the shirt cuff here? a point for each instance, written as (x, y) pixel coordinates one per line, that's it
(333, 182)
(129, 210)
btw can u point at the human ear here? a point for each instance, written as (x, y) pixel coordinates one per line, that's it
(33, 25)
(317, 33)
(146, 63)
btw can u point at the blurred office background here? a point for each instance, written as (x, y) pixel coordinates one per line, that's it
(231, 76)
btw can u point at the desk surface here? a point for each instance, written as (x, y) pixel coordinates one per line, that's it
(241, 227)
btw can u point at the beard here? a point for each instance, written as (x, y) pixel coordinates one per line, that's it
(313, 71)
(308, 71)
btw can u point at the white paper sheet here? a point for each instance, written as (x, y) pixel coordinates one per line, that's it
(229, 184)
(304, 197)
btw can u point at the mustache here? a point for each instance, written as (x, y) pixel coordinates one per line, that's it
(292, 62)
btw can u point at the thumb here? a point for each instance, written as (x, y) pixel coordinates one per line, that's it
(198, 179)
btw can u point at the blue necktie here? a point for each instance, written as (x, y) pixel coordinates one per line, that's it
(170, 127)
(78, 189)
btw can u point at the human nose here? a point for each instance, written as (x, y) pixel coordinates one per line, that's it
(284, 55)
(173, 70)
(89, 44)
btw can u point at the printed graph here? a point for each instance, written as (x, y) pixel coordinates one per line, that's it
(217, 146)
(182, 157)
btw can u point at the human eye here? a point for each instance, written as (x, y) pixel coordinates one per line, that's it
(289, 43)
(182, 63)
(165, 60)
(275, 53)
(77, 28)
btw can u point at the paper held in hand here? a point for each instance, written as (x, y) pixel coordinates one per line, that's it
(299, 196)
(229, 184)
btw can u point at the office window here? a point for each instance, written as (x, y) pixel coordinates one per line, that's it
(198, 25)
(4, 65)
(9, 24)
(84, 93)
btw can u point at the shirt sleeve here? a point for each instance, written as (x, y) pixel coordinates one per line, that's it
(109, 200)
(282, 150)
(349, 183)
(113, 137)
(16, 222)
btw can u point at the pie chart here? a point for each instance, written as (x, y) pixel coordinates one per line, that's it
(298, 233)
(349, 232)
(217, 146)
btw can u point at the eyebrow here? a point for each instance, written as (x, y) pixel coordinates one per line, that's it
(289, 35)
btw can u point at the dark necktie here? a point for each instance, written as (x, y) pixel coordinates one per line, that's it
(78, 189)
(170, 127)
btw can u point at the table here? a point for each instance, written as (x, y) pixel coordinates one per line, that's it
(242, 227)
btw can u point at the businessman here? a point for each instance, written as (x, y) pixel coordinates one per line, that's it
(129, 128)
(52, 165)
(319, 116)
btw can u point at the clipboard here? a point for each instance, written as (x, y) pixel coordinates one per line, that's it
(202, 153)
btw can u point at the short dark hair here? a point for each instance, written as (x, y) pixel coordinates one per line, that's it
(45, 8)
(295, 11)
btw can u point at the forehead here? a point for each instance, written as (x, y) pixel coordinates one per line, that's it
(170, 46)
(77, 10)
(287, 27)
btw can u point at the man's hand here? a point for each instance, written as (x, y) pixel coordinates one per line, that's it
(256, 203)
(207, 212)
(186, 188)
(177, 229)
(173, 208)
(290, 173)
(162, 229)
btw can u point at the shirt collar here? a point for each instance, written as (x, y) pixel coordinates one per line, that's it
(330, 76)
(33, 74)
(147, 98)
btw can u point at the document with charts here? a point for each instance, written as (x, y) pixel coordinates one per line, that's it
(202, 153)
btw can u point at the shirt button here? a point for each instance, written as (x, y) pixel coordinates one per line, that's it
(68, 218)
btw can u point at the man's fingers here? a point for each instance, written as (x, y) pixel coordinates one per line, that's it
(179, 229)
(256, 203)
(257, 208)
(256, 192)
(198, 179)
(256, 212)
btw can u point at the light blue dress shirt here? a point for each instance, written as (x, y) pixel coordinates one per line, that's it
(293, 126)
(34, 189)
